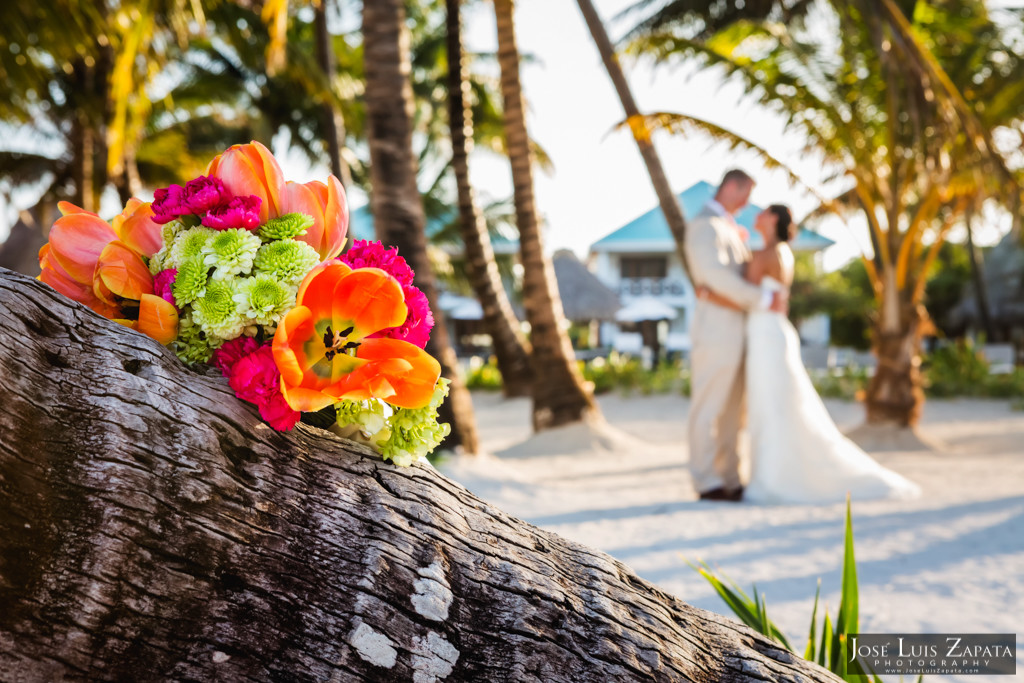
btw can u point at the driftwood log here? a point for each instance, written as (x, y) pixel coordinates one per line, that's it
(153, 528)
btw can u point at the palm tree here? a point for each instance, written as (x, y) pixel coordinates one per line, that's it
(78, 76)
(559, 394)
(330, 112)
(500, 321)
(395, 198)
(668, 201)
(883, 113)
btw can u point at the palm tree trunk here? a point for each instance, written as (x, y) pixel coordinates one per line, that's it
(559, 394)
(501, 323)
(641, 134)
(894, 395)
(395, 199)
(333, 122)
(231, 552)
(82, 162)
(980, 288)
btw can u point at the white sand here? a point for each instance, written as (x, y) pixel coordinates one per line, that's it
(952, 561)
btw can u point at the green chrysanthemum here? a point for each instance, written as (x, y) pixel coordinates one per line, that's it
(366, 417)
(193, 345)
(286, 260)
(190, 282)
(263, 299)
(414, 433)
(216, 312)
(168, 233)
(187, 244)
(285, 227)
(231, 252)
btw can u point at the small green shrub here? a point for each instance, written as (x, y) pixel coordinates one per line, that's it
(848, 383)
(956, 370)
(628, 376)
(960, 369)
(826, 643)
(484, 376)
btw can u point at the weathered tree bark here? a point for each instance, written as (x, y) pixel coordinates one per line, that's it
(395, 199)
(641, 133)
(153, 528)
(500, 321)
(559, 394)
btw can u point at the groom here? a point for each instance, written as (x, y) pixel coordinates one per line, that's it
(717, 252)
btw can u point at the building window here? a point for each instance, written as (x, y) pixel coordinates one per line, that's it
(644, 266)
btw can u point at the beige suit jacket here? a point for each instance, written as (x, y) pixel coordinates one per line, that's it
(717, 255)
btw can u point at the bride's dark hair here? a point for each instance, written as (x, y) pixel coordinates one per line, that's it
(785, 228)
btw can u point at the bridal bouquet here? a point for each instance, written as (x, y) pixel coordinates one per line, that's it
(243, 270)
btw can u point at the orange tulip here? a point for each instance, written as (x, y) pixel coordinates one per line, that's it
(327, 205)
(137, 229)
(101, 265)
(77, 239)
(322, 351)
(53, 274)
(158, 318)
(252, 170)
(121, 272)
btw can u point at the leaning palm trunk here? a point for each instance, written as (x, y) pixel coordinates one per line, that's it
(499, 320)
(333, 122)
(395, 199)
(559, 395)
(978, 278)
(641, 132)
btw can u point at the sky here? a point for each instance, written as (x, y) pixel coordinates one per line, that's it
(599, 182)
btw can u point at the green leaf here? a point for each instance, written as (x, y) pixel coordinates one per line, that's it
(825, 649)
(811, 644)
(752, 612)
(848, 619)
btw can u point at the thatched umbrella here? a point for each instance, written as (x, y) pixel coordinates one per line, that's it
(1003, 273)
(584, 297)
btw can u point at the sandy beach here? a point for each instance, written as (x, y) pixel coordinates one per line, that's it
(951, 561)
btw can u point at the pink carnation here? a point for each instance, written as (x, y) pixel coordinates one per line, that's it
(240, 212)
(256, 379)
(169, 203)
(162, 284)
(278, 414)
(418, 323)
(204, 193)
(230, 352)
(367, 254)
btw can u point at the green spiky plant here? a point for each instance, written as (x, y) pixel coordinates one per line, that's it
(827, 645)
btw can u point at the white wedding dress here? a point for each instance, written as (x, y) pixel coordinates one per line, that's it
(798, 454)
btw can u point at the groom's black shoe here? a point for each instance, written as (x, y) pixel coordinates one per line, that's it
(721, 493)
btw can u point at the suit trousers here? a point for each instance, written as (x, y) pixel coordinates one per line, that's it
(718, 396)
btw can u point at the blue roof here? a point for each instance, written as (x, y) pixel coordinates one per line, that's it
(650, 231)
(360, 227)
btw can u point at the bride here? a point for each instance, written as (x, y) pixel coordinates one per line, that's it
(798, 454)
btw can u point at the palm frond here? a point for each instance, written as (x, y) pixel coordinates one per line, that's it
(685, 124)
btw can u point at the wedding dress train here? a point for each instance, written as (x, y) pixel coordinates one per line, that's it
(798, 453)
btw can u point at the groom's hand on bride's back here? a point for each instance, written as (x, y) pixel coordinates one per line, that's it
(780, 303)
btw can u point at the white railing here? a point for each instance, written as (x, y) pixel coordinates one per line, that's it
(652, 286)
